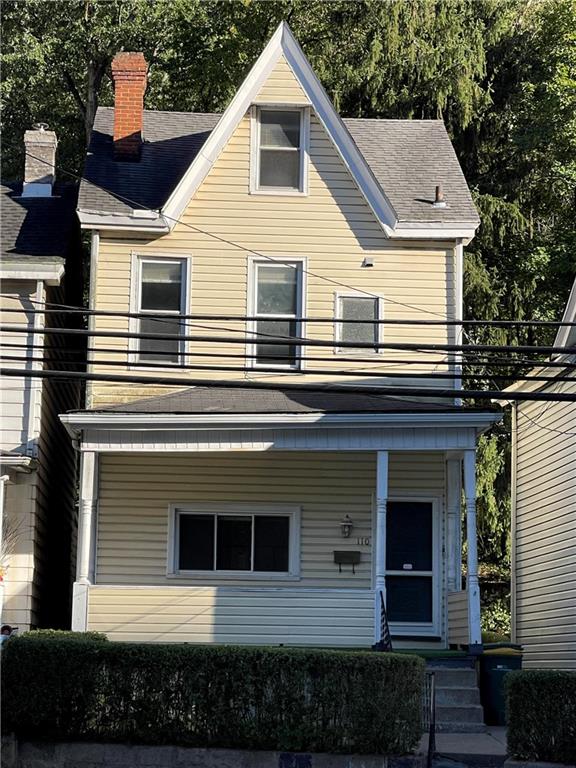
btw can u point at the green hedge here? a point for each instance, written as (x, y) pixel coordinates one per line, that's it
(212, 696)
(542, 715)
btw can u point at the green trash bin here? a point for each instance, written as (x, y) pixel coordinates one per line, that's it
(496, 661)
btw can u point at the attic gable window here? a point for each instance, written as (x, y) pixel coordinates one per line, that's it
(279, 150)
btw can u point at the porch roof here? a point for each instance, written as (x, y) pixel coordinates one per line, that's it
(214, 400)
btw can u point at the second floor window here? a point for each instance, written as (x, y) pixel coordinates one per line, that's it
(161, 294)
(278, 299)
(358, 308)
(280, 151)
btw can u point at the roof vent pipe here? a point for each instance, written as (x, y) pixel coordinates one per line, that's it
(40, 162)
(439, 201)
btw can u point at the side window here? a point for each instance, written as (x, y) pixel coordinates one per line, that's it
(278, 300)
(360, 308)
(279, 152)
(161, 293)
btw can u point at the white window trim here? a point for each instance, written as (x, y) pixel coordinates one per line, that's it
(137, 257)
(252, 295)
(435, 627)
(350, 351)
(210, 508)
(303, 188)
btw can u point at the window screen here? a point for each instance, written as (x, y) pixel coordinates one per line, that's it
(161, 295)
(280, 148)
(359, 308)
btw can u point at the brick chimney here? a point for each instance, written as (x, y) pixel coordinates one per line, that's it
(129, 75)
(40, 163)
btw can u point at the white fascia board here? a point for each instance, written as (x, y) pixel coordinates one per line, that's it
(75, 422)
(281, 43)
(133, 223)
(51, 274)
(435, 231)
(568, 317)
(24, 464)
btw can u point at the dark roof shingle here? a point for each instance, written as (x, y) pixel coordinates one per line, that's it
(407, 157)
(36, 228)
(224, 400)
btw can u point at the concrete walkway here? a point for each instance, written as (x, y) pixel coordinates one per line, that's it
(486, 749)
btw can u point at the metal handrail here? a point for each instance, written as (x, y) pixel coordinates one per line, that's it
(429, 715)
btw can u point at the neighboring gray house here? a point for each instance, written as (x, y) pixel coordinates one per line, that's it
(40, 262)
(544, 516)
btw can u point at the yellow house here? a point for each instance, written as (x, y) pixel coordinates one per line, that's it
(235, 258)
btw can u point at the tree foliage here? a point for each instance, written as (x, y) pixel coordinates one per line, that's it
(500, 73)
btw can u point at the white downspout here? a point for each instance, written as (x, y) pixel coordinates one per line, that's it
(94, 252)
(458, 314)
(3, 480)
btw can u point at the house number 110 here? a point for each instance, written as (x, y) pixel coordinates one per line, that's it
(363, 541)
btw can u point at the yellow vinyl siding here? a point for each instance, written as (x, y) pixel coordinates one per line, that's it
(223, 615)
(544, 549)
(282, 87)
(332, 228)
(136, 491)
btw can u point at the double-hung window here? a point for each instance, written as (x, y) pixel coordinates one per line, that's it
(161, 295)
(279, 150)
(243, 540)
(362, 314)
(278, 292)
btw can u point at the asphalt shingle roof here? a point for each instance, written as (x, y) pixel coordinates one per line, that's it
(239, 400)
(36, 228)
(407, 157)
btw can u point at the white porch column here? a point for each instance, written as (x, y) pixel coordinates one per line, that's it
(86, 539)
(453, 533)
(475, 634)
(380, 543)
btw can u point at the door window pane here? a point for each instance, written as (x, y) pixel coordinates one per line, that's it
(277, 290)
(196, 542)
(359, 308)
(234, 543)
(409, 535)
(160, 350)
(161, 286)
(271, 534)
(279, 128)
(409, 598)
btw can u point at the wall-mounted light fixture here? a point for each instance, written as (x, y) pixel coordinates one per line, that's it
(346, 526)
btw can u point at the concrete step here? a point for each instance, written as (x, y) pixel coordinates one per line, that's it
(447, 726)
(462, 713)
(445, 677)
(456, 695)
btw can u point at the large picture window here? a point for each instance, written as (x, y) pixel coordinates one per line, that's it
(280, 150)
(243, 541)
(278, 291)
(161, 285)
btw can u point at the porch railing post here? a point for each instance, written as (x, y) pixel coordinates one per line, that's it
(475, 633)
(380, 543)
(85, 566)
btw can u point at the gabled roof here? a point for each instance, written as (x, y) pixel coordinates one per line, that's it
(395, 163)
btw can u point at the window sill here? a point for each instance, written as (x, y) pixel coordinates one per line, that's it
(279, 192)
(233, 575)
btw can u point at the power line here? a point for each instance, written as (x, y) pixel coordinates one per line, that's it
(299, 341)
(380, 391)
(52, 308)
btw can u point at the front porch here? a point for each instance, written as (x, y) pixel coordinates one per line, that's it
(219, 529)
